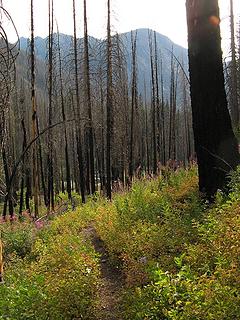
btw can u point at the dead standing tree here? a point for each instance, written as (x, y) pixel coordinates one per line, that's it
(77, 110)
(90, 139)
(134, 103)
(215, 143)
(50, 193)
(8, 55)
(234, 99)
(109, 105)
(153, 83)
(66, 148)
(34, 115)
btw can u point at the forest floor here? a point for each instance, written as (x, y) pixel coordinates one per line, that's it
(157, 251)
(112, 280)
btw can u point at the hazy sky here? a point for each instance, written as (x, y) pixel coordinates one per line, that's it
(165, 16)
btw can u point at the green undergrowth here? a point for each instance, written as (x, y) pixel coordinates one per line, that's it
(201, 279)
(179, 255)
(51, 270)
(152, 221)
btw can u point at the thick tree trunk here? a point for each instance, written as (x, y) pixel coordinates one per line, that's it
(215, 143)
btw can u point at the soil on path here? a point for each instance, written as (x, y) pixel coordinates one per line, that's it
(112, 281)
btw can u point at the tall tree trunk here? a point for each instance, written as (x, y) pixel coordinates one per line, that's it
(8, 200)
(45, 196)
(133, 103)
(186, 123)
(78, 124)
(21, 202)
(34, 117)
(154, 140)
(109, 103)
(89, 102)
(233, 74)
(215, 143)
(163, 118)
(158, 113)
(146, 129)
(66, 153)
(50, 108)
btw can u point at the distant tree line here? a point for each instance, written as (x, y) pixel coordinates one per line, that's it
(92, 130)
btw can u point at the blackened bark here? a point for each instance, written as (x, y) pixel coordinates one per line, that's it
(21, 201)
(34, 115)
(133, 103)
(154, 140)
(50, 108)
(89, 102)
(109, 105)
(41, 167)
(8, 198)
(163, 119)
(215, 143)
(67, 163)
(78, 124)
(233, 74)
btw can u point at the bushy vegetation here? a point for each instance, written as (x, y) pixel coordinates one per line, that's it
(153, 220)
(191, 263)
(51, 272)
(179, 255)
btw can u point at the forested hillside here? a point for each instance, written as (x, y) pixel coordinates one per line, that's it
(165, 49)
(119, 170)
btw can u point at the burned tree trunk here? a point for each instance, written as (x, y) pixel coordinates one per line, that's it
(215, 143)
(133, 103)
(89, 102)
(233, 74)
(154, 139)
(50, 108)
(67, 162)
(78, 124)
(109, 104)
(34, 117)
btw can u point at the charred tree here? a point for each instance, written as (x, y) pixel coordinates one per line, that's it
(66, 151)
(78, 123)
(34, 116)
(50, 108)
(133, 104)
(215, 143)
(153, 82)
(89, 103)
(109, 105)
(233, 74)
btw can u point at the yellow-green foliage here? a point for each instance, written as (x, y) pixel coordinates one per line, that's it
(18, 238)
(69, 271)
(59, 276)
(153, 220)
(206, 284)
(179, 255)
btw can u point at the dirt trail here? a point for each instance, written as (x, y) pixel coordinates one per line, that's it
(111, 281)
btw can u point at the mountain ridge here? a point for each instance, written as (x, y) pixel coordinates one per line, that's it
(165, 46)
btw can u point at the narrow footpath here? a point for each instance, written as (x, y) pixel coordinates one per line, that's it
(111, 281)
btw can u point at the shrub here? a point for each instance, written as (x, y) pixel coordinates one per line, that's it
(18, 238)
